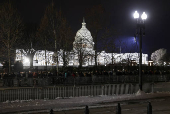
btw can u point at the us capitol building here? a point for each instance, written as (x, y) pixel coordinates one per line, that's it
(83, 46)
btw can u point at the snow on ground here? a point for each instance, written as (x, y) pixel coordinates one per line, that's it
(72, 102)
(139, 92)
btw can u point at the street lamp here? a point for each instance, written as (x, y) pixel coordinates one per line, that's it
(141, 29)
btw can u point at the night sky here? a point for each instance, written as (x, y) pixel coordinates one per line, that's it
(157, 24)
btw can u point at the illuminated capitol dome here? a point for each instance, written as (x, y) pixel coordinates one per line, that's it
(83, 39)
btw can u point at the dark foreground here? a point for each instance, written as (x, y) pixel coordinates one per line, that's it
(159, 106)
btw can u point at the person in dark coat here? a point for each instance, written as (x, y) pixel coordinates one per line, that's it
(5, 79)
(86, 110)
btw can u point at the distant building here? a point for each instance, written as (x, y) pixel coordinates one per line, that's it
(82, 46)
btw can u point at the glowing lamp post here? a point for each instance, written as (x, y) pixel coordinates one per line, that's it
(140, 28)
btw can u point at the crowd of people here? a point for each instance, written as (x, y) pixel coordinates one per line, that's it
(44, 74)
(60, 77)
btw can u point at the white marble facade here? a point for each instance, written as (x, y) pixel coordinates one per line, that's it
(83, 43)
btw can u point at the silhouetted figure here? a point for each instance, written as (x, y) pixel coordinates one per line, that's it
(5, 79)
(19, 78)
(51, 111)
(12, 78)
(118, 111)
(149, 108)
(86, 110)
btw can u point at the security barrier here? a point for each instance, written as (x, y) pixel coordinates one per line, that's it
(28, 93)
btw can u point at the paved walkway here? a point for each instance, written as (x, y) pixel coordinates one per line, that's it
(159, 106)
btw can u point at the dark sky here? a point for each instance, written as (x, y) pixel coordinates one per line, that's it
(157, 25)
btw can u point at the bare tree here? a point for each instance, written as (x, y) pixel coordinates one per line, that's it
(82, 48)
(65, 36)
(47, 32)
(54, 32)
(30, 44)
(98, 20)
(108, 38)
(11, 28)
(159, 56)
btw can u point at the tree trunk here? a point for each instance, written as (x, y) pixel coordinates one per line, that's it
(112, 58)
(9, 59)
(57, 63)
(80, 60)
(45, 60)
(95, 58)
(31, 60)
(64, 60)
(45, 55)
(21, 56)
(95, 49)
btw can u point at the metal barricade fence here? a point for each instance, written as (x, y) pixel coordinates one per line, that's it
(65, 91)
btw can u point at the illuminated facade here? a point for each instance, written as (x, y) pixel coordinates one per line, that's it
(82, 46)
(83, 39)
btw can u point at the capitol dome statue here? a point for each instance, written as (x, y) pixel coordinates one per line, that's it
(83, 39)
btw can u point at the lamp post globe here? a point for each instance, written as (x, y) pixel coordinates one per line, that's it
(144, 16)
(136, 15)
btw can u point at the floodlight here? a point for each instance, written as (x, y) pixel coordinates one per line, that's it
(26, 60)
(136, 15)
(135, 39)
(144, 16)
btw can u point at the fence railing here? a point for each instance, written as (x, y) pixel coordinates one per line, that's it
(104, 79)
(28, 93)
